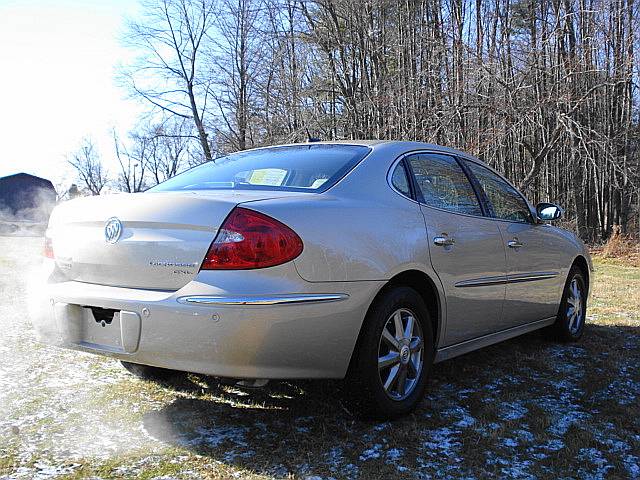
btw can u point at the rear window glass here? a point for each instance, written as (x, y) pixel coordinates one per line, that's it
(306, 168)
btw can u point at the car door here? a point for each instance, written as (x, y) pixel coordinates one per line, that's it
(466, 248)
(534, 252)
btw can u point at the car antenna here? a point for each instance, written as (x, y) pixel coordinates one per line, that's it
(311, 139)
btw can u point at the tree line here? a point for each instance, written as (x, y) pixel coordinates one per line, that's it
(545, 91)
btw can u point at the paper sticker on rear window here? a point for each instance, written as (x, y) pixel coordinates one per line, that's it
(268, 176)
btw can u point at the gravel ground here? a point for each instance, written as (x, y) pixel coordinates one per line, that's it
(527, 408)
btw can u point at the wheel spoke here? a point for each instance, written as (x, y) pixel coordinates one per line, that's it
(574, 290)
(390, 339)
(572, 321)
(402, 380)
(408, 331)
(416, 344)
(389, 359)
(397, 319)
(393, 374)
(413, 369)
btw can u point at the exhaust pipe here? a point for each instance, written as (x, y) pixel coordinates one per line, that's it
(252, 383)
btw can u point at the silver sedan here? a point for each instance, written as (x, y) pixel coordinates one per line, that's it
(362, 260)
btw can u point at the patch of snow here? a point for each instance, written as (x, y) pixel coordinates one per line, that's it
(553, 445)
(465, 393)
(370, 453)
(564, 412)
(595, 458)
(633, 466)
(395, 454)
(42, 470)
(512, 410)
(461, 413)
(381, 426)
(525, 435)
(510, 442)
(214, 436)
(393, 457)
(334, 457)
(442, 440)
(513, 467)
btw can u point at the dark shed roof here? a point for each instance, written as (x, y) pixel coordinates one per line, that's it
(26, 197)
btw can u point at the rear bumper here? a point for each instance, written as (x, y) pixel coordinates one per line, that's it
(309, 334)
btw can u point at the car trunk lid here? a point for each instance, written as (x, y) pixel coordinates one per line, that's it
(162, 238)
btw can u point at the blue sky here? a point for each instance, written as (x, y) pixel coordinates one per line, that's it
(58, 63)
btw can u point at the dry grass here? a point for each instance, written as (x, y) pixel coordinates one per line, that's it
(527, 408)
(624, 248)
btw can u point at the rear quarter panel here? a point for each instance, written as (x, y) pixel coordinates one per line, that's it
(359, 230)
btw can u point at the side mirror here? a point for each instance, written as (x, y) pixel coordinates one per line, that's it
(548, 212)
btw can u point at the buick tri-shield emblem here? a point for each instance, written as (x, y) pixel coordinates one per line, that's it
(112, 230)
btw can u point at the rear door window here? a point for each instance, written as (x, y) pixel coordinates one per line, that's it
(304, 168)
(442, 183)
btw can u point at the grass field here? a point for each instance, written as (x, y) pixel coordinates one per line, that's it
(526, 408)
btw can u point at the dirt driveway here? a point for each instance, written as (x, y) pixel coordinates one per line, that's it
(527, 408)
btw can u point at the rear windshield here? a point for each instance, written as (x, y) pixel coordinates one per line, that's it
(304, 168)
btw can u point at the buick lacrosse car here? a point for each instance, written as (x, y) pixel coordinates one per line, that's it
(362, 260)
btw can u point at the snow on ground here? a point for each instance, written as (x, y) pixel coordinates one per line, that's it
(523, 409)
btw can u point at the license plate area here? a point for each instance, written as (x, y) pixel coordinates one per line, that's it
(104, 316)
(101, 327)
(98, 328)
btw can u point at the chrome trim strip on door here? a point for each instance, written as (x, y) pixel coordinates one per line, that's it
(501, 280)
(265, 299)
(531, 277)
(483, 281)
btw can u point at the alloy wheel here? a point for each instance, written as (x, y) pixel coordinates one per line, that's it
(574, 307)
(400, 354)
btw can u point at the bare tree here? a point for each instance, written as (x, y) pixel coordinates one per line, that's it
(168, 75)
(238, 56)
(86, 161)
(131, 178)
(168, 148)
(544, 91)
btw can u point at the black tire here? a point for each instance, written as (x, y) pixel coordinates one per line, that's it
(565, 329)
(366, 394)
(147, 372)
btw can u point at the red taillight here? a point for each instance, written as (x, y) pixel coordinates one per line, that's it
(248, 239)
(48, 248)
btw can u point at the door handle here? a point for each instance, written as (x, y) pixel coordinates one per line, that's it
(444, 241)
(515, 243)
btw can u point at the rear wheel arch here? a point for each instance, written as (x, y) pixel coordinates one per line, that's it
(426, 288)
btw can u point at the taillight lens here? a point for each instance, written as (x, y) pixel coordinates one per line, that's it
(249, 239)
(48, 247)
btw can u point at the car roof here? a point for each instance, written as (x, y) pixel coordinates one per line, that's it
(404, 144)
